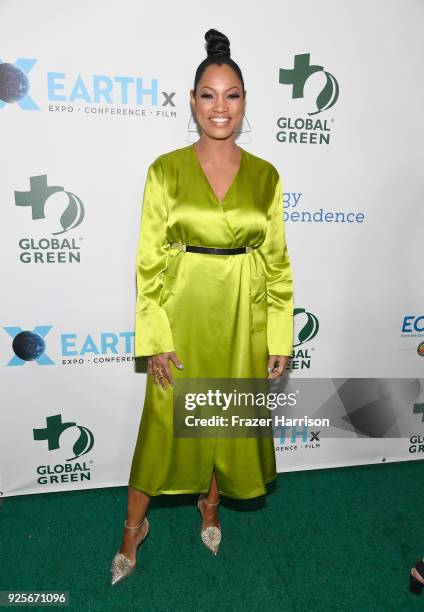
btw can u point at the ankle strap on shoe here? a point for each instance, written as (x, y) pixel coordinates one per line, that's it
(138, 527)
(210, 503)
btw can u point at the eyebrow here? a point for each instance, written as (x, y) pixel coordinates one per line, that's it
(228, 88)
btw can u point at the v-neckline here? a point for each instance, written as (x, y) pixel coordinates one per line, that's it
(220, 202)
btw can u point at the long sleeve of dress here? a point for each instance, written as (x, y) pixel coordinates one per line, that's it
(276, 264)
(152, 328)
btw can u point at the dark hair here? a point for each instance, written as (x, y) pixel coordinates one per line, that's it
(218, 52)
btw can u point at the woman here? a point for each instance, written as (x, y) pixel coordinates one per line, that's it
(214, 300)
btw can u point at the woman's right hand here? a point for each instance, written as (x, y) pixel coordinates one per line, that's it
(161, 360)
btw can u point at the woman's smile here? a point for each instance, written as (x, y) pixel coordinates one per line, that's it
(220, 120)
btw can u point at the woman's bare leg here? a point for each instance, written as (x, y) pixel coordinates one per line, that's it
(138, 503)
(210, 513)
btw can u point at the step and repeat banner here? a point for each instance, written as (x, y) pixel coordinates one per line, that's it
(90, 94)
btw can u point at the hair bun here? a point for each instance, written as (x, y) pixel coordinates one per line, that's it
(217, 44)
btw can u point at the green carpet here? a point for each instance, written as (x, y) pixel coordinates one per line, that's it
(338, 539)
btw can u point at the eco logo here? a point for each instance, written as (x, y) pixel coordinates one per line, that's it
(310, 326)
(306, 328)
(419, 409)
(54, 429)
(37, 197)
(14, 83)
(300, 130)
(412, 326)
(60, 473)
(300, 73)
(29, 345)
(56, 199)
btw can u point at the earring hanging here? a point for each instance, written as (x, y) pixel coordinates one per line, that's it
(196, 131)
(190, 133)
(243, 139)
(188, 126)
(244, 131)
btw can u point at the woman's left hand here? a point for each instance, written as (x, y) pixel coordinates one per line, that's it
(277, 365)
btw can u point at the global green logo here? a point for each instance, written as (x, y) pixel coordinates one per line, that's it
(419, 409)
(54, 429)
(37, 197)
(300, 73)
(309, 325)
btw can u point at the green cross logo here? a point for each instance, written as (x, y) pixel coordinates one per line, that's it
(54, 429)
(37, 197)
(300, 73)
(419, 409)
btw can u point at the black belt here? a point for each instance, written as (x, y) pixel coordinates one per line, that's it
(211, 250)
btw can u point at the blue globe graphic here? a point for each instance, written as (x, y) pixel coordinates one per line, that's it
(14, 84)
(28, 346)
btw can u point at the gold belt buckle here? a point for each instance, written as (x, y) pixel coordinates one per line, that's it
(178, 245)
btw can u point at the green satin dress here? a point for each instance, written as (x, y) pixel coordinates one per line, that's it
(222, 314)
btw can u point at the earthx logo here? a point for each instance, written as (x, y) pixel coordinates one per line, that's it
(72, 348)
(92, 94)
(54, 198)
(296, 438)
(14, 84)
(300, 130)
(29, 345)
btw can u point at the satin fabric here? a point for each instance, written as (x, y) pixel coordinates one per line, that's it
(222, 314)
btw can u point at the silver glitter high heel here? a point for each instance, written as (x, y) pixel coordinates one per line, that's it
(122, 567)
(211, 536)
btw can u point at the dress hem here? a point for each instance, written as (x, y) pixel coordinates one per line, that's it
(182, 491)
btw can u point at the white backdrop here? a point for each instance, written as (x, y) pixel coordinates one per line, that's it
(74, 161)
